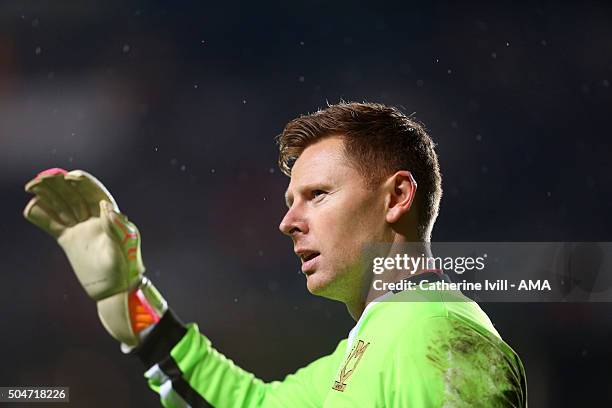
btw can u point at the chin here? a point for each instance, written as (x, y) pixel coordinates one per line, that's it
(315, 284)
(321, 285)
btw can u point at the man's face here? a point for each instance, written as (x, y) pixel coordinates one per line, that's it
(332, 214)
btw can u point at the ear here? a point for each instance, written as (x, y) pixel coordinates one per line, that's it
(401, 189)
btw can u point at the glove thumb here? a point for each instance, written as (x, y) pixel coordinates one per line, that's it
(116, 224)
(126, 235)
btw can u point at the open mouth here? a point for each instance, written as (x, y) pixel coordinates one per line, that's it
(309, 256)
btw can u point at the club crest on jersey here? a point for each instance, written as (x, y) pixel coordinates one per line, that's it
(350, 365)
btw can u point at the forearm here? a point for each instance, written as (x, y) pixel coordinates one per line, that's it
(186, 370)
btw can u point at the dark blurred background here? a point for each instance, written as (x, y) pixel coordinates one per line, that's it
(175, 106)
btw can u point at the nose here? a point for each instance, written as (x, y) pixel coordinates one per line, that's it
(293, 222)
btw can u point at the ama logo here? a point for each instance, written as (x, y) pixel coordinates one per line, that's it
(534, 285)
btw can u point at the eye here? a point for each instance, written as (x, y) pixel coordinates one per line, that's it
(318, 193)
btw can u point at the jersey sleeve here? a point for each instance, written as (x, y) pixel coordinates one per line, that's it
(186, 371)
(449, 363)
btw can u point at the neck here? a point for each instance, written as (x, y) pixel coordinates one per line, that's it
(402, 252)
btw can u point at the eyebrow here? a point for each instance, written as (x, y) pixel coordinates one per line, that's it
(308, 186)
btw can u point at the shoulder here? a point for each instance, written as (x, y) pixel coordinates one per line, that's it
(438, 333)
(453, 347)
(410, 313)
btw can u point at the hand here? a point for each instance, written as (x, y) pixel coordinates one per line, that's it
(103, 248)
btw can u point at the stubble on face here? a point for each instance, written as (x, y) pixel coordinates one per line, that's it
(336, 215)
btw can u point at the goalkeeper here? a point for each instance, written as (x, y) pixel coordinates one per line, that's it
(354, 170)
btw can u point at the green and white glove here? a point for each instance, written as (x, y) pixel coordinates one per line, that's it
(102, 246)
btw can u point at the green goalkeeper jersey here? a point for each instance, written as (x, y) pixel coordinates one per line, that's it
(408, 349)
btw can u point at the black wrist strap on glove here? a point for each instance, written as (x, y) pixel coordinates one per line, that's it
(158, 344)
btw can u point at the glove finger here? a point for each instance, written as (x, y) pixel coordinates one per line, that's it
(91, 190)
(45, 173)
(70, 195)
(43, 217)
(52, 201)
(107, 217)
(57, 184)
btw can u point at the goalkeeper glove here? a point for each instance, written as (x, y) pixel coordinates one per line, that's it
(102, 246)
